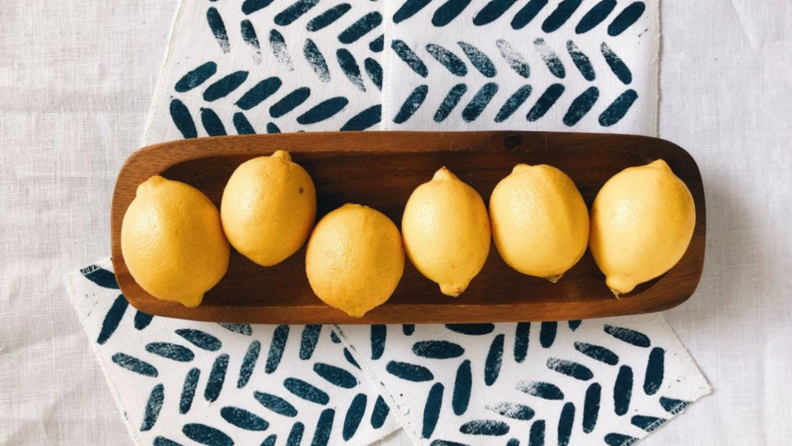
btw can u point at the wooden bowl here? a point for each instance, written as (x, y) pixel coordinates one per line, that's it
(381, 169)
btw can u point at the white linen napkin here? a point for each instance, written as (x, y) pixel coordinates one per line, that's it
(179, 382)
(599, 381)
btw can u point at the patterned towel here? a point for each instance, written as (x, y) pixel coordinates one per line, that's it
(576, 382)
(179, 382)
(263, 66)
(256, 66)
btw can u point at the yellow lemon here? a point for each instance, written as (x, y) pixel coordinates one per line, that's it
(268, 208)
(446, 232)
(354, 259)
(172, 241)
(540, 223)
(641, 224)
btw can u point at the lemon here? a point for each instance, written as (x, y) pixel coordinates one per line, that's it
(268, 208)
(641, 224)
(540, 223)
(446, 232)
(354, 259)
(172, 241)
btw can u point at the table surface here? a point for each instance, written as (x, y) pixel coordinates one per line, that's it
(76, 81)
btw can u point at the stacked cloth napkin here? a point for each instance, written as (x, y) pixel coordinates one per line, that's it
(268, 66)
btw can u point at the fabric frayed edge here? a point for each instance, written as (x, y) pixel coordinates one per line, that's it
(386, 68)
(676, 411)
(657, 65)
(70, 280)
(702, 390)
(160, 88)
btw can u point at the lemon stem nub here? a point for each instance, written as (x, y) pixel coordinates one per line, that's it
(451, 290)
(444, 174)
(282, 154)
(554, 279)
(192, 301)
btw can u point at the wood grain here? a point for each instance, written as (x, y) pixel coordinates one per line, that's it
(381, 169)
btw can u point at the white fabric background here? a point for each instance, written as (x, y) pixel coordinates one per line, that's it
(76, 79)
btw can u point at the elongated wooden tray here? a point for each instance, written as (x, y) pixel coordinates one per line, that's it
(381, 169)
